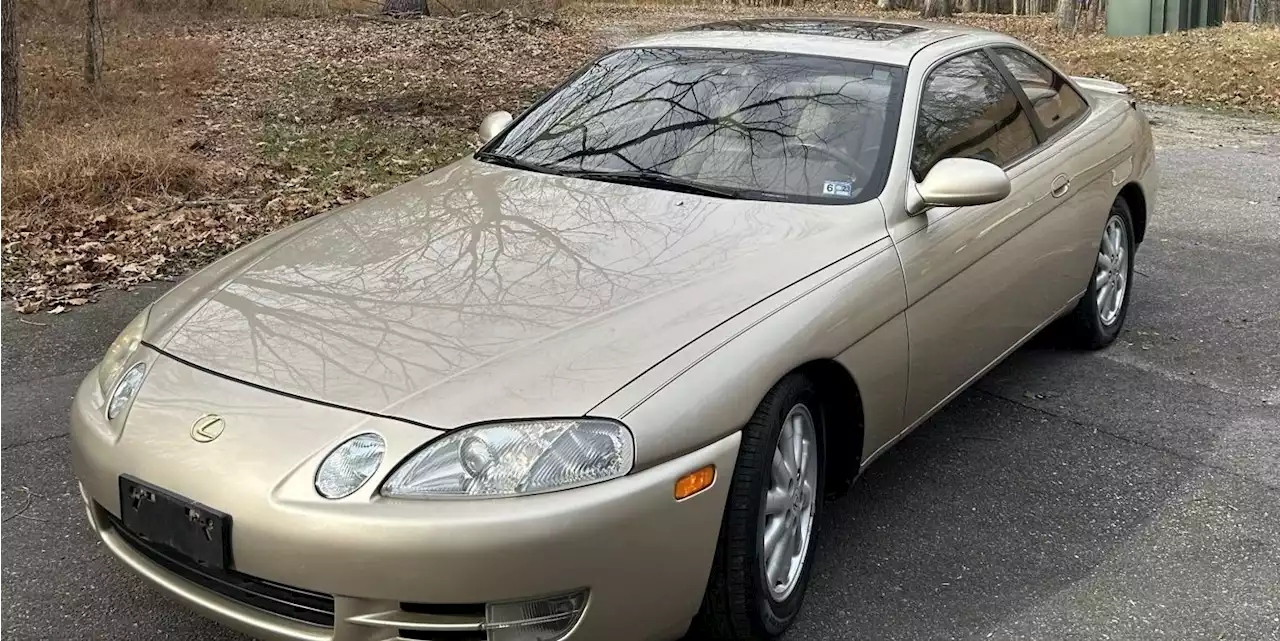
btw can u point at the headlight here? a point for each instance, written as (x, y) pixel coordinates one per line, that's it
(125, 390)
(507, 459)
(349, 465)
(121, 349)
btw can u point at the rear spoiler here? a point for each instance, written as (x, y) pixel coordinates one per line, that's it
(1098, 84)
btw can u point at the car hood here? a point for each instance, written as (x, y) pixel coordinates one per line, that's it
(480, 292)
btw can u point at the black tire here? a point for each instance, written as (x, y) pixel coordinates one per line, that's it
(738, 604)
(1083, 327)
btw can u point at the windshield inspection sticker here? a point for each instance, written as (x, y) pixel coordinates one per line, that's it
(837, 188)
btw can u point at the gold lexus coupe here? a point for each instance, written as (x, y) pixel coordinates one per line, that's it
(593, 381)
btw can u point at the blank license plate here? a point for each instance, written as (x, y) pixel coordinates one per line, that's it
(195, 531)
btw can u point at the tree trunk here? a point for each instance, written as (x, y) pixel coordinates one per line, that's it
(887, 5)
(400, 6)
(936, 9)
(1095, 10)
(93, 45)
(10, 69)
(1067, 16)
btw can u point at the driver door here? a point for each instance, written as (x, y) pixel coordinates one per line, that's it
(979, 279)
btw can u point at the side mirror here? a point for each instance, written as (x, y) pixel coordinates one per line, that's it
(493, 124)
(957, 182)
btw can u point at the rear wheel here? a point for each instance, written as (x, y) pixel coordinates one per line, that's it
(1098, 317)
(764, 555)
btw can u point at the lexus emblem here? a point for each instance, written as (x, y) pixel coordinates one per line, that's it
(207, 427)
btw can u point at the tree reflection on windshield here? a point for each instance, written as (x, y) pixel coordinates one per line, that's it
(804, 128)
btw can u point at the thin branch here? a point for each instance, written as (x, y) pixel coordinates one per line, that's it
(208, 202)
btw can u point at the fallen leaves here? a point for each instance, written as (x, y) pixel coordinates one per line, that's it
(1236, 65)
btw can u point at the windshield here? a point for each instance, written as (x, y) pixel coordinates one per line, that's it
(746, 124)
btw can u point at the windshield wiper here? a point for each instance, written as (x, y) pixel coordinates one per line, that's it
(626, 177)
(656, 180)
(513, 162)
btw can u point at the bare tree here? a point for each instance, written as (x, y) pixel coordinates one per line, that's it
(935, 9)
(11, 63)
(1067, 16)
(93, 44)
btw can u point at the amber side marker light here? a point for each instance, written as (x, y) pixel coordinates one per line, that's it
(695, 481)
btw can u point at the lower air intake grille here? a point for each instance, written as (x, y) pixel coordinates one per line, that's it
(282, 600)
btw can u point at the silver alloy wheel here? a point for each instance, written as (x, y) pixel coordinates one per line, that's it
(789, 502)
(1111, 273)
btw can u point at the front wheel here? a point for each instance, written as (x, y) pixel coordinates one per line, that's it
(1098, 317)
(764, 554)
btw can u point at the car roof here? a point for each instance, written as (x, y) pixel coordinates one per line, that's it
(858, 38)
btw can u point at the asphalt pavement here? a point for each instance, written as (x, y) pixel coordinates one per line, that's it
(1132, 493)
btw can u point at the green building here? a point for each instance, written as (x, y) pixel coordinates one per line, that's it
(1144, 17)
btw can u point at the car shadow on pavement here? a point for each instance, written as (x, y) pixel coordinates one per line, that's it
(987, 509)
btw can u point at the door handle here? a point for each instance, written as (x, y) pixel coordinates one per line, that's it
(1061, 185)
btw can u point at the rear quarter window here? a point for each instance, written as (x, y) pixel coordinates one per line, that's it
(1055, 102)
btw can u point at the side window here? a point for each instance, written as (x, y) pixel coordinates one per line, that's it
(967, 110)
(1056, 104)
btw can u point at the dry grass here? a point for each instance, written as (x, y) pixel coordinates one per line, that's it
(65, 173)
(87, 148)
(86, 154)
(210, 134)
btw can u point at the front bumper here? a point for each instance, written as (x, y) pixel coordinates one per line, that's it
(403, 569)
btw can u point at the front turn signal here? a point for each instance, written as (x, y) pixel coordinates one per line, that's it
(695, 481)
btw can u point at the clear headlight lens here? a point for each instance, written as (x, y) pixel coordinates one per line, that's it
(125, 390)
(350, 465)
(121, 349)
(507, 459)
